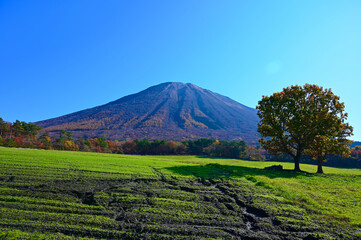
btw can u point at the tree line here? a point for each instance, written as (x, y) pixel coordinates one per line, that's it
(27, 135)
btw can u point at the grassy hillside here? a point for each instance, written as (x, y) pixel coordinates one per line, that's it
(64, 195)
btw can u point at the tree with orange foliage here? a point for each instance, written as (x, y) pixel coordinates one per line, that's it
(46, 141)
(300, 119)
(70, 146)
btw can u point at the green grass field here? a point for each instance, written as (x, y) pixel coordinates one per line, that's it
(66, 195)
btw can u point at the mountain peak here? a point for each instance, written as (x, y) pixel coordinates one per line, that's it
(170, 110)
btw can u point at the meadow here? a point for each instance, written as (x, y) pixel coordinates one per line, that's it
(73, 195)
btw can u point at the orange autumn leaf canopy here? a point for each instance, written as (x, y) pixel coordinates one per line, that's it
(303, 120)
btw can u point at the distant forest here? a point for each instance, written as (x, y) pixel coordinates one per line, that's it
(29, 135)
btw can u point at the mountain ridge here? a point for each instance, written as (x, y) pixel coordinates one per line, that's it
(170, 110)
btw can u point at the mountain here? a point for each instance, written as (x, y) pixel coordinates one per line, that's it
(172, 111)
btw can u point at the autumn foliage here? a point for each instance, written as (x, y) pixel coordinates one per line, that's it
(304, 120)
(26, 135)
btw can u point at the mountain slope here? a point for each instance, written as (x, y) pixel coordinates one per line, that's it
(173, 111)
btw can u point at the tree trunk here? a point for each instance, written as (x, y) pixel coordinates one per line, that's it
(297, 163)
(319, 166)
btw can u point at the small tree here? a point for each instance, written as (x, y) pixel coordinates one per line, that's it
(4, 127)
(46, 140)
(64, 136)
(31, 129)
(18, 128)
(302, 118)
(334, 143)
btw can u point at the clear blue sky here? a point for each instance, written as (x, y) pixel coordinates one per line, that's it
(58, 57)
